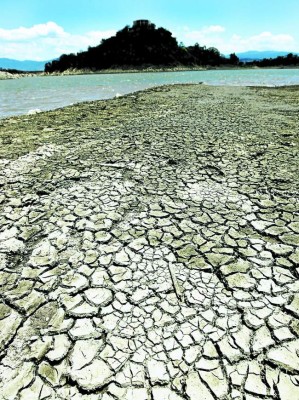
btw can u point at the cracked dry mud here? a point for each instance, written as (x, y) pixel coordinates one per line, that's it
(149, 248)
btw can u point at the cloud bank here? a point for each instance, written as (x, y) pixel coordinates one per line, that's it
(217, 36)
(36, 31)
(49, 40)
(46, 41)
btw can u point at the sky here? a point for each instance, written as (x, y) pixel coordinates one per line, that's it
(45, 29)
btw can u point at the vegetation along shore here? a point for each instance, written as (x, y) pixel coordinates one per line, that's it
(149, 247)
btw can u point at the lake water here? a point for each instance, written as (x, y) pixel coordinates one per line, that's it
(19, 96)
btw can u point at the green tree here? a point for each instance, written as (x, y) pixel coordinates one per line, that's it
(233, 59)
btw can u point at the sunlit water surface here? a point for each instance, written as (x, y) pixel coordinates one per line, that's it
(19, 96)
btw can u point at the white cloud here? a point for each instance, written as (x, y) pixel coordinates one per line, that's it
(49, 40)
(213, 29)
(206, 34)
(217, 36)
(263, 41)
(46, 41)
(35, 31)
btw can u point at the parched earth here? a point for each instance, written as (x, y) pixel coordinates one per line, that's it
(149, 248)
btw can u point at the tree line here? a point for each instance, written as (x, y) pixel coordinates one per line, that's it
(288, 60)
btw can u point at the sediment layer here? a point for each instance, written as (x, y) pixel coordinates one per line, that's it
(149, 247)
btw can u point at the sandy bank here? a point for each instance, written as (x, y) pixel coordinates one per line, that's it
(149, 247)
(74, 71)
(9, 75)
(155, 69)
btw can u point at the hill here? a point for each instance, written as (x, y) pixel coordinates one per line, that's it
(27, 65)
(254, 55)
(140, 45)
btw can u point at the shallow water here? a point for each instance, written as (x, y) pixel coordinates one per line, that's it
(19, 96)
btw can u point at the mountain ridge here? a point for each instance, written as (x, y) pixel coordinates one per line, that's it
(252, 55)
(24, 65)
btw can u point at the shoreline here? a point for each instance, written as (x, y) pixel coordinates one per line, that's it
(102, 103)
(22, 74)
(163, 69)
(35, 111)
(9, 75)
(156, 234)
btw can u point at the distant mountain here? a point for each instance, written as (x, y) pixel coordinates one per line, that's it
(27, 65)
(260, 55)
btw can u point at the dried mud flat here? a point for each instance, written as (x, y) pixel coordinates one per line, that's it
(149, 248)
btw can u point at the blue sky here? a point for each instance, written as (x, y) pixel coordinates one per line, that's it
(44, 29)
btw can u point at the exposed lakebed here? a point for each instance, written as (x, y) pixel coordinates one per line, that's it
(149, 247)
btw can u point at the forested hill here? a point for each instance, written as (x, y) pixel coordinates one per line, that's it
(140, 45)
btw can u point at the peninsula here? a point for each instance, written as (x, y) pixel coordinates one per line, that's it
(145, 47)
(140, 46)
